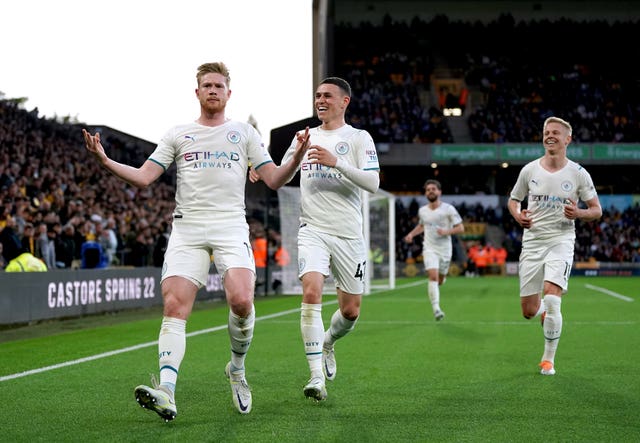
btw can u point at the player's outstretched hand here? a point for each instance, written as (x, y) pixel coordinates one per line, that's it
(93, 145)
(302, 144)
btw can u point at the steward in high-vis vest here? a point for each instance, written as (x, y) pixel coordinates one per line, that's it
(26, 262)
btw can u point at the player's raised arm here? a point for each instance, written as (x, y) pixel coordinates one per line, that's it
(277, 176)
(140, 177)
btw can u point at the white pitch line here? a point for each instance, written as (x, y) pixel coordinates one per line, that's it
(76, 362)
(153, 343)
(224, 327)
(608, 292)
(132, 348)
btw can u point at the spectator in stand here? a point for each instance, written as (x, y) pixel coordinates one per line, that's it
(111, 242)
(140, 250)
(28, 239)
(66, 246)
(3, 261)
(106, 237)
(45, 245)
(12, 246)
(160, 247)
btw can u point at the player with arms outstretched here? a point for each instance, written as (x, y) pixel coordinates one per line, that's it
(212, 155)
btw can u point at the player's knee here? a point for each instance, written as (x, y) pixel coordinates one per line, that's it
(528, 312)
(351, 313)
(174, 307)
(241, 305)
(312, 297)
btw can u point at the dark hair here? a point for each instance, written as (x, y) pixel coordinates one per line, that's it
(433, 182)
(340, 83)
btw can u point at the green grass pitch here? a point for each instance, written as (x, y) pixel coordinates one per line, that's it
(402, 377)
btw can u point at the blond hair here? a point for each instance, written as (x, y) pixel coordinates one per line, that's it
(213, 68)
(564, 123)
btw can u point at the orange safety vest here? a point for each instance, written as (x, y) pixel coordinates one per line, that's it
(282, 256)
(501, 256)
(260, 252)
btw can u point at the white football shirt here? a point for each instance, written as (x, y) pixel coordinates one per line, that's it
(212, 164)
(445, 216)
(329, 201)
(546, 193)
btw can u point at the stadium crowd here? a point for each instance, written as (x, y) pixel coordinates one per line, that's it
(517, 90)
(388, 81)
(56, 205)
(591, 89)
(54, 202)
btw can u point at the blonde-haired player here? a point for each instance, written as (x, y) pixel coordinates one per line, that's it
(552, 185)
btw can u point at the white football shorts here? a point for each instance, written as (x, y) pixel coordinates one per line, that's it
(551, 262)
(344, 258)
(193, 242)
(433, 260)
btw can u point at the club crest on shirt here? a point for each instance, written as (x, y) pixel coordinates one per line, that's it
(233, 137)
(567, 186)
(342, 148)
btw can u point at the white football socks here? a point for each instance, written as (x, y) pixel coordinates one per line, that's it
(434, 295)
(552, 326)
(172, 343)
(240, 334)
(312, 330)
(541, 309)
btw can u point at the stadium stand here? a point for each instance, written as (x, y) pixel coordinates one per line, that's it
(401, 83)
(45, 178)
(403, 73)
